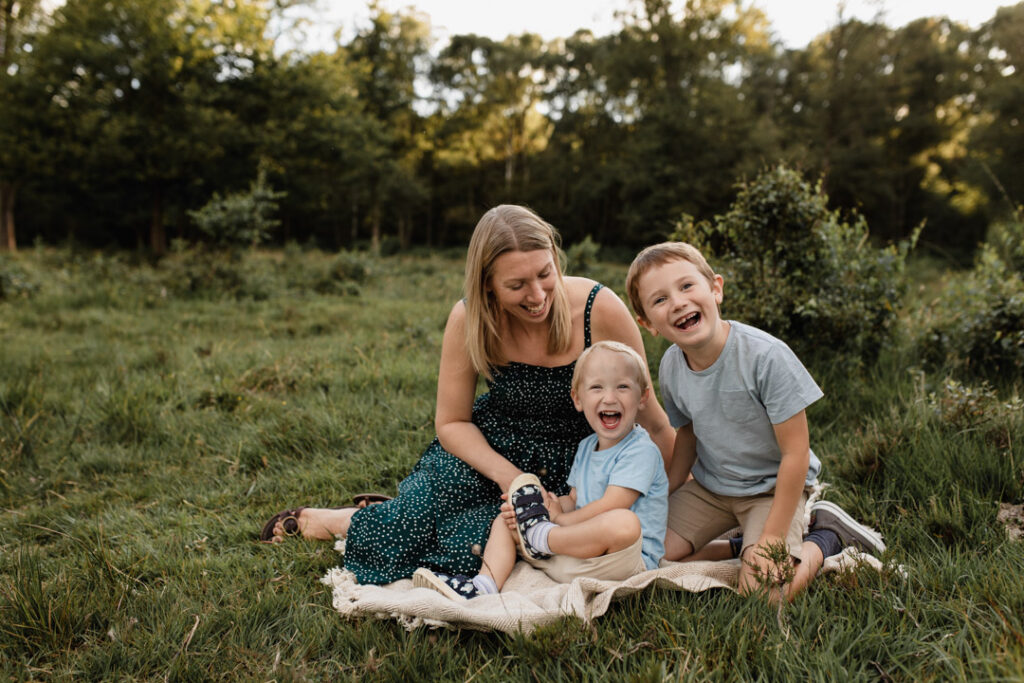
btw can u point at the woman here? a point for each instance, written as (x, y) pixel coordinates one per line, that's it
(521, 325)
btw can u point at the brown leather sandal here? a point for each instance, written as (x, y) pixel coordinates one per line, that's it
(366, 499)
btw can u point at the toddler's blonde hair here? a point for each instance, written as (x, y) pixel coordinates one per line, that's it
(616, 347)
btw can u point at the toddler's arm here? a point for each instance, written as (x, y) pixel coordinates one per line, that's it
(614, 497)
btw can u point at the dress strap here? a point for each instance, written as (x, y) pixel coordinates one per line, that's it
(586, 314)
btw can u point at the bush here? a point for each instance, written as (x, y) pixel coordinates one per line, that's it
(795, 269)
(14, 281)
(344, 275)
(242, 219)
(581, 258)
(976, 327)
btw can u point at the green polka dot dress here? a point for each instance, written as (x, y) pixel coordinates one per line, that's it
(444, 508)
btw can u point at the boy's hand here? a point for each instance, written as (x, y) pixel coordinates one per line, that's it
(770, 561)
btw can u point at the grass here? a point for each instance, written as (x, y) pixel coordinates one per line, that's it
(151, 417)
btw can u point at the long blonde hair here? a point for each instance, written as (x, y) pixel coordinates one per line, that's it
(502, 229)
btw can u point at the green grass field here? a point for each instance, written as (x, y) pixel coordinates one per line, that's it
(154, 416)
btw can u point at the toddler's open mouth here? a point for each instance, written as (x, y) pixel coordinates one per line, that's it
(610, 419)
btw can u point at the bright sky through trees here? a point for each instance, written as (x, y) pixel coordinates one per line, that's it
(795, 21)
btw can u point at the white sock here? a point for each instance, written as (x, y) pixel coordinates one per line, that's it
(537, 535)
(485, 584)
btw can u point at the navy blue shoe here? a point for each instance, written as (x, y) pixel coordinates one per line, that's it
(527, 498)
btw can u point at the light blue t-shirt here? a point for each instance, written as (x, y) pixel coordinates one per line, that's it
(755, 383)
(633, 463)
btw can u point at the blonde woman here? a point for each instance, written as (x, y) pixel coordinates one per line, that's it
(521, 325)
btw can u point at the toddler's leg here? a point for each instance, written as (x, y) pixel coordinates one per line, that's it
(500, 553)
(608, 532)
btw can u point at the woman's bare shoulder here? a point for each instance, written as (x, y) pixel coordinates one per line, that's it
(578, 289)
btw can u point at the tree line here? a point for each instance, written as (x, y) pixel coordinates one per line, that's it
(119, 120)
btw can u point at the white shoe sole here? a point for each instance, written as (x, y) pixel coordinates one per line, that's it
(873, 538)
(424, 578)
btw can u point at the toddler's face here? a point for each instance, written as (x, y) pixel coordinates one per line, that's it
(609, 395)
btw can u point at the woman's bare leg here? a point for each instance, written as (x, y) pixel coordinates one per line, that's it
(322, 524)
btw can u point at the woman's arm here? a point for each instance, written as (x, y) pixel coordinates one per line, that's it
(610, 320)
(456, 389)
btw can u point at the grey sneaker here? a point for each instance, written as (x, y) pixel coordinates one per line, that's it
(828, 515)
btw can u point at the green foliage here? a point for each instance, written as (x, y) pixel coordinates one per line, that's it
(14, 281)
(796, 269)
(242, 219)
(344, 274)
(965, 407)
(581, 258)
(976, 326)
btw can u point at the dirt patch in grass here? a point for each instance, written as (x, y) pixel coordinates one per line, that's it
(1012, 517)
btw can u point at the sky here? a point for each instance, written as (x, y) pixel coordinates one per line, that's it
(796, 22)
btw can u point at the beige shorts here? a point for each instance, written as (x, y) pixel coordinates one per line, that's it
(700, 516)
(615, 566)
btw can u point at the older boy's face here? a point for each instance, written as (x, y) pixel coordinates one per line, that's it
(609, 395)
(680, 304)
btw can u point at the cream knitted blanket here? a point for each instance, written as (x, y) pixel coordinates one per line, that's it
(530, 599)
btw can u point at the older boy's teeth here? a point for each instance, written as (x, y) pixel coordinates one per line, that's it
(689, 321)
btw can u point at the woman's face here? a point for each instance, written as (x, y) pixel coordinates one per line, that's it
(523, 283)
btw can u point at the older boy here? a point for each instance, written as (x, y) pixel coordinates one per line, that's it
(737, 397)
(612, 524)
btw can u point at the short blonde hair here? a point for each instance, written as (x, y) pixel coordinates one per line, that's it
(660, 254)
(503, 229)
(616, 347)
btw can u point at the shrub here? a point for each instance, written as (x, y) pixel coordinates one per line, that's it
(344, 275)
(582, 257)
(14, 281)
(976, 326)
(242, 219)
(796, 269)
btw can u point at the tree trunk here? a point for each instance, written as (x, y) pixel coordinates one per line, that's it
(375, 228)
(8, 241)
(355, 220)
(157, 233)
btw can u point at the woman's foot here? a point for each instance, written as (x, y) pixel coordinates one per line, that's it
(321, 524)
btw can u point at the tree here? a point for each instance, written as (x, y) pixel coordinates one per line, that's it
(16, 19)
(386, 58)
(134, 88)
(999, 135)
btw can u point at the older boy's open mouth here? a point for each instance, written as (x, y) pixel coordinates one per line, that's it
(610, 420)
(689, 321)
